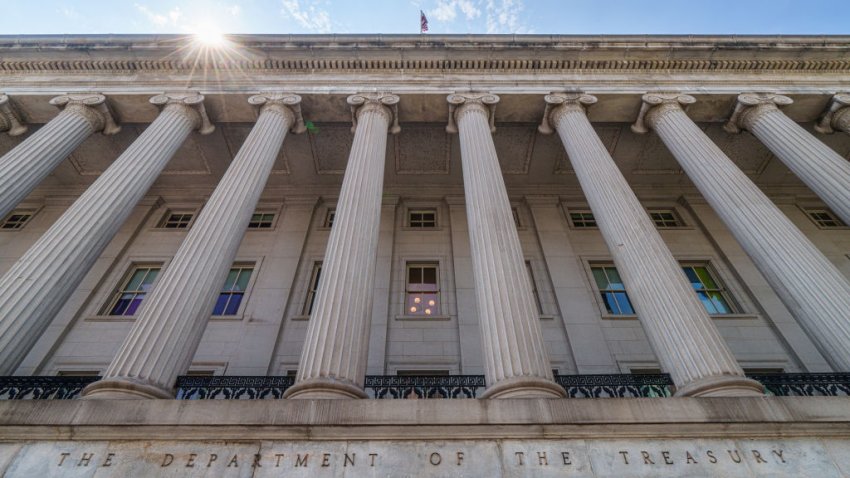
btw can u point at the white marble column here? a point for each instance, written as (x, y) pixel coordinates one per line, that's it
(681, 333)
(837, 115)
(334, 358)
(39, 283)
(515, 358)
(28, 163)
(172, 320)
(811, 287)
(822, 169)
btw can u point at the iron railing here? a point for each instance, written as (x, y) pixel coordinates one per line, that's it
(425, 387)
(805, 384)
(43, 388)
(231, 387)
(616, 385)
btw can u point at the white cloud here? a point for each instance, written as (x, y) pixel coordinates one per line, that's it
(310, 18)
(446, 10)
(171, 17)
(504, 17)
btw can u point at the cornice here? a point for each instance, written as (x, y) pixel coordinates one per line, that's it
(440, 53)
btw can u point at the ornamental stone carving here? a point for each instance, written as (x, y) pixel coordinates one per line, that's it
(287, 104)
(385, 103)
(9, 119)
(193, 108)
(837, 115)
(459, 103)
(93, 107)
(558, 103)
(656, 105)
(750, 107)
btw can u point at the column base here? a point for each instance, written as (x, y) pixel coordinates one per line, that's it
(324, 388)
(123, 389)
(722, 386)
(524, 387)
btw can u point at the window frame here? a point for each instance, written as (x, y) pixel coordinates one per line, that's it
(677, 218)
(810, 211)
(264, 211)
(116, 292)
(328, 218)
(440, 306)
(163, 220)
(30, 213)
(734, 306)
(408, 218)
(254, 266)
(584, 211)
(312, 289)
(598, 292)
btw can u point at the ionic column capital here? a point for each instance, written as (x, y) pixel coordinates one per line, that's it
(91, 106)
(384, 103)
(286, 104)
(750, 107)
(461, 103)
(836, 116)
(9, 119)
(656, 105)
(191, 105)
(559, 103)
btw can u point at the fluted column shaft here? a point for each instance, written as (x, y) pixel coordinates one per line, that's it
(39, 283)
(334, 357)
(822, 169)
(679, 329)
(26, 165)
(515, 357)
(811, 287)
(173, 317)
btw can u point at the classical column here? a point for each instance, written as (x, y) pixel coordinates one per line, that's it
(10, 121)
(823, 170)
(171, 322)
(334, 357)
(39, 283)
(515, 360)
(26, 165)
(679, 329)
(837, 115)
(811, 287)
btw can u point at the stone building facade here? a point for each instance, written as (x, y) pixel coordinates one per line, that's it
(563, 216)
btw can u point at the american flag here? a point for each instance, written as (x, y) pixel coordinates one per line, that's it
(423, 22)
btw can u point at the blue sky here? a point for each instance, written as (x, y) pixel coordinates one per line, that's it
(445, 16)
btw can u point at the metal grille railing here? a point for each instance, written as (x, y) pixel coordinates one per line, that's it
(231, 387)
(424, 386)
(616, 385)
(43, 388)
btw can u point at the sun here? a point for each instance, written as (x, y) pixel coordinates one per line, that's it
(209, 35)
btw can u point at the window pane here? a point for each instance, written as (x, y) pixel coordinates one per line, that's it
(600, 277)
(610, 303)
(614, 279)
(720, 303)
(244, 277)
(429, 275)
(220, 304)
(706, 302)
(414, 275)
(150, 277)
(121, 305)
(706, 279)
(134, 305)
(233, 305)
(692, 277)
(136, 279)
(231, 279)
(623, 304)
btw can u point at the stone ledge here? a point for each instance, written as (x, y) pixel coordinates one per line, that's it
(392, 419)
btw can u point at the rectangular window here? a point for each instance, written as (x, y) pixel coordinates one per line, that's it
(533, 287)
(422, 218)
(423, 290)
(312, 288)
(134, 289)
(261, 220)
(16, 220)
(613, 290)
(710, 292)
(664, 218)
(329, 218)
(515, 213)
(176, 220)
(233, 290)
(825, 219)
(582, 219)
